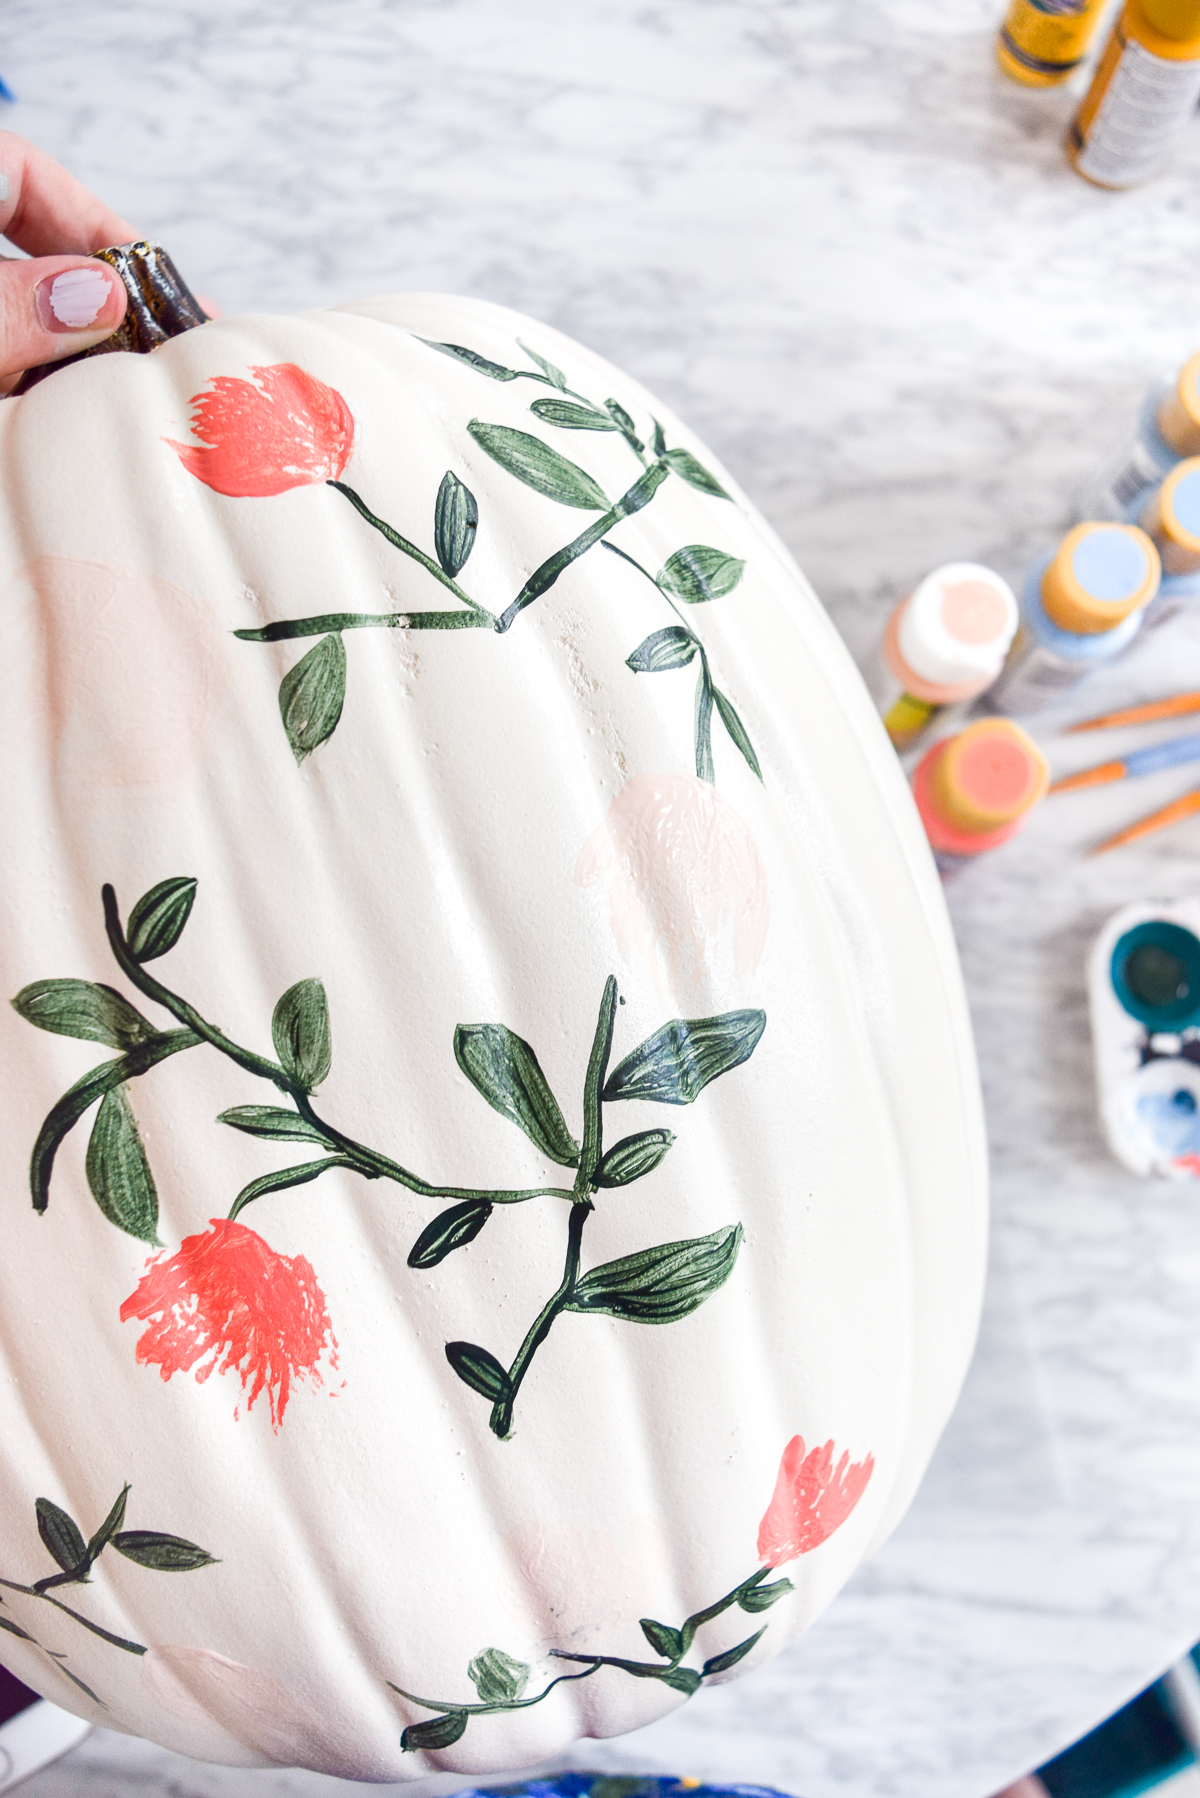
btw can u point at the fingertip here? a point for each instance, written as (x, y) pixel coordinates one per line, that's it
(83, 298)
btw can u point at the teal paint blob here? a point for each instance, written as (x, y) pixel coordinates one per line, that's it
(1155, 971)
(1110, 565)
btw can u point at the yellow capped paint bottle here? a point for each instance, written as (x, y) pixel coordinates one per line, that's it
(1168, 429)
(975, 790)
(1079, 607)
(1042, 41)
(944, 644)
(1144, 91)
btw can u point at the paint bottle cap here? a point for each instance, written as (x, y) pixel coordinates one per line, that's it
(955, 628)
(1175, 508)
(1176, 19)
(1099, 575)
(1178, 410)
(987, 776)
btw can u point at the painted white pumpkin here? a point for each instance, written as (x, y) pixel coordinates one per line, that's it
(515, 1227)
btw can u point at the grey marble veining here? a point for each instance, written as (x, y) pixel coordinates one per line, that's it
(853, 256)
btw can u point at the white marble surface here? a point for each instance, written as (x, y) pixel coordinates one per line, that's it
(853, 256)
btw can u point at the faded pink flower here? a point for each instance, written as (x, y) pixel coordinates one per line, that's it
(282, 430)
(685, 874)
(812, 1498)
(226, 1301)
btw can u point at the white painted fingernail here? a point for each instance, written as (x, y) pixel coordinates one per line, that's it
(78, 296)
(5, 188)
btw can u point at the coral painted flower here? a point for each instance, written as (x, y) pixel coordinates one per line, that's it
(686, 876)
(225, 1300)
(282, 430)
(812, 1498)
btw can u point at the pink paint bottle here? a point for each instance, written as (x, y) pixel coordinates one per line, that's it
(943, 645)
(975, 790)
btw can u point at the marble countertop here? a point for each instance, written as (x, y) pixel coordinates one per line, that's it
(852, 256)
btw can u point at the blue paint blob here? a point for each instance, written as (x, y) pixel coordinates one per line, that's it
(1171, 1119)
(1186, 503)
(1110, 565)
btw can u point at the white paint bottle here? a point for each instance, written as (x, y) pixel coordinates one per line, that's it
(943, 645)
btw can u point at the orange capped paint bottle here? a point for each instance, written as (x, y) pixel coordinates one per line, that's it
(975, 790)
(944, 644)
(1144, 91)
(1041, 41)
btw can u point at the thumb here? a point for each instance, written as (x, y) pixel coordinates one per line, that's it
(55, 306)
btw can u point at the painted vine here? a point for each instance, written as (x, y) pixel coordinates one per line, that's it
(656, 1285)
(75, 1556)
(288, 429)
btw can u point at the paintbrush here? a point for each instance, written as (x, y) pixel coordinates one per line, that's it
(1167, 814)
(1175, 707)
(1142, 761)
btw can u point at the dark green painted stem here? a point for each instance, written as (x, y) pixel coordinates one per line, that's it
(368, 1162)
(116, 1641)
(490, 1710)
(704, 687)
(319, 626)
(410, 549)
(639, 495)
(589, 1159)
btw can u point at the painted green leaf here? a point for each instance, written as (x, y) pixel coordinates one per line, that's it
(477, 1369)
(539, 466)
(502, 1066)
(497, 1677)
(63, 1117)
(697, 573)
(84, 1009)
(14, 1629)
(272, 1121)
(662, 1638)
(761, 1598)
(623, 423)
(663, 1284)
(118, 1172)
(703, 727)
(311, 696)
(157, 920)
(632, 1157)
(660, 442)
(681, 1679)
(495, 371)
(61, 1535)
(721, 1663)
(694, 473)
(281, 1179)
(166, 1554)
(455, 521)
(300, 1032)
(108, 1529)
(451, 1230)
(570, 417)
(678, 1061)
(737, 731)
(548, 368)
(672, 647)
(435, 1732)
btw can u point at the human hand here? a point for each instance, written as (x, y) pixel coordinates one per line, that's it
(56, 304)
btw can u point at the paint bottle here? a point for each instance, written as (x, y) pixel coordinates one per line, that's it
(1041, 41)
(944, 644)
(975, 790)
(1171, 518)
(1079, 607)
(1144, 91)
(1168, 429)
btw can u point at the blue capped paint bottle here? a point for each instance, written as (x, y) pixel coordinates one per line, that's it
(1080, 607)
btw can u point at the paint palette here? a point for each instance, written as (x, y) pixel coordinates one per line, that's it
(1144, 992)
